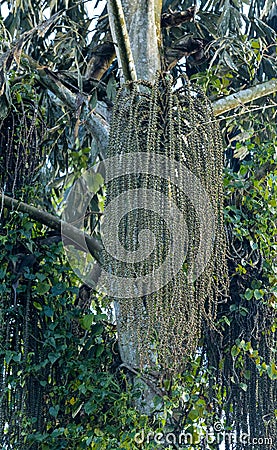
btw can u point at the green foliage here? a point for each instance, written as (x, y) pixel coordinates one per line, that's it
(250, 315)
(70, 369)
(230, 44)
(62, 384)
(70, 358)
(87, 402)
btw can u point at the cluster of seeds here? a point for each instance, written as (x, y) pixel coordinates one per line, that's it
(178, 123)
(21, 149)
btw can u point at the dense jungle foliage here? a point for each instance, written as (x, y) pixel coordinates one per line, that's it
(63, 384)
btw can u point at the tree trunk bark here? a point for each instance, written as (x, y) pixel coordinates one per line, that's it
(143, 24)
(143, 20)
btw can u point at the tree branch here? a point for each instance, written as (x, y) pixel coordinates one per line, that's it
(100, 128)
(70, 233)
(96, 123)
(121, 37)
(245, 96)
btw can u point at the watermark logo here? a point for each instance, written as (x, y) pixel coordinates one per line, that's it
(148, 200)
(216, 435)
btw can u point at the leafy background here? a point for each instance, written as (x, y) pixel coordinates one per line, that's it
(62, 382)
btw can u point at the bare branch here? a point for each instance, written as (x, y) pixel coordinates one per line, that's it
(121, 37)
(98, 125)
(245, 96)
(71, 233)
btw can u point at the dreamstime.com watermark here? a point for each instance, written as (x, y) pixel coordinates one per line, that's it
(215, 436)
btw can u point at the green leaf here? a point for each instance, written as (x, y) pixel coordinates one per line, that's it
(87, 321)
(254, 245)
(229, 61)
(8, 356)
(53, 357)
(93, 100)
(37, 306)
(272, 371)
(2, 274)
(235, 351)
(48, 311)
(258, 294)
(97, 329)
(57, 432)
(42, 288)
(99, 350)
(53, 410)
(194, 414)
(58, 289)
(99, 317)
(88, 441)
(17, 358)
(243, 386)
(233, 308)
(256, 284)
(226, 320)
(89, 407)
(94, 181)
(255, 44)
(248, 294)
(243, 311)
